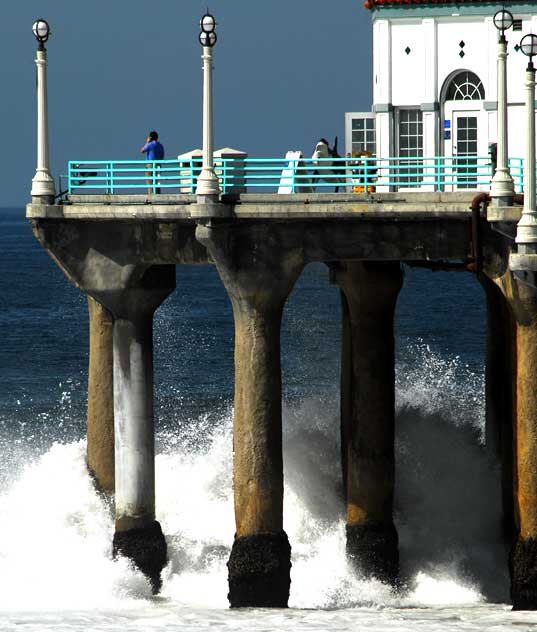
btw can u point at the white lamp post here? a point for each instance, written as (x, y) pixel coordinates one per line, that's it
(42, 183)
(526, 233)
(208, 184)
(502, 187)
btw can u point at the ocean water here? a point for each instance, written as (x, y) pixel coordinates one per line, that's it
(56, 571)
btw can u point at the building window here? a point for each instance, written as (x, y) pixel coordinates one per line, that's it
(465, 86)
(410, 143)
(363, 135)
(465, 162)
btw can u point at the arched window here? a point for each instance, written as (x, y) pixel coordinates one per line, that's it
(465, 86)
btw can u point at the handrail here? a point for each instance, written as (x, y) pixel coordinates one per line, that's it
(351, 174)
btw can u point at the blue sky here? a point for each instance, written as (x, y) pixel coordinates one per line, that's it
(286, 71)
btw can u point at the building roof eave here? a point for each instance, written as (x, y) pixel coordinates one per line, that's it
(375, 4)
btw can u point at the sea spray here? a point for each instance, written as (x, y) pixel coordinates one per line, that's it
(44, 343)
(55, 536)
(448, 489)
(56, 531)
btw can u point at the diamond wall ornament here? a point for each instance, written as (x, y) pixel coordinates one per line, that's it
(462, 44)
(407, 50)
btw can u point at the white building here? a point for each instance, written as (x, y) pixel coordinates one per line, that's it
(434, 83)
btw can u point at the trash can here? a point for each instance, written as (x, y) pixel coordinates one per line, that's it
(229, 166)
(190, 165)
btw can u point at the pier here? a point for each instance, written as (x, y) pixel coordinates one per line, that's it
(119, 230)
(122, 251)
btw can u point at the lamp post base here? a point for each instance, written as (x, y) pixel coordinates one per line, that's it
(42, 183)
(502, 199)
(208, 183)
(523, 264)
(502, 188)
(45, 200)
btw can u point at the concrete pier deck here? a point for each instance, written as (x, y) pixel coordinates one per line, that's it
(403, 205)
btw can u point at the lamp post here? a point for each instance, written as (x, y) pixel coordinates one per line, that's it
(42, 183)
(502, 187)
(526, 233)
(208, 184)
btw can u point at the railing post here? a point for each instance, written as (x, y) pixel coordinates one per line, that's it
(224, 175)
(438, 173)
(69, 167)
(111, 175)
(293, 172)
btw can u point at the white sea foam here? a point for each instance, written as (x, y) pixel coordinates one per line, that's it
(55, 540)
(56, 532)
(437, 592)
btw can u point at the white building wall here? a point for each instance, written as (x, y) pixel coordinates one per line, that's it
(418, 78)
(492, 53)
(382, 89)
(516, 122)
(382, 69)
(517, 62)
(409, 70)
(430, 78)
(474, 33)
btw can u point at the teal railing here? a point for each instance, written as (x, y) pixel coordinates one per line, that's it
(304, 175)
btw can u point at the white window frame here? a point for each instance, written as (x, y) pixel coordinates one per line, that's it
(349, 117)
(397, 122)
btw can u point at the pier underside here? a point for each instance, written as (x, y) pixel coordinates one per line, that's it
(122, 251)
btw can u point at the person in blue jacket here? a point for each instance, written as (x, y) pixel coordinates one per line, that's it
(154, 151)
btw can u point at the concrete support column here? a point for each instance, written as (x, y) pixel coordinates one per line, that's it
(346, 390)
(258, 273)
(137, 535)
(110, 261)
(500, 394)
(371, 291)
(524, 554)
(133, 407)
(100, 431)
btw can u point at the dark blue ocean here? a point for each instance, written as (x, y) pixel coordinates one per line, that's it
(448, 490)
(44, 331)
